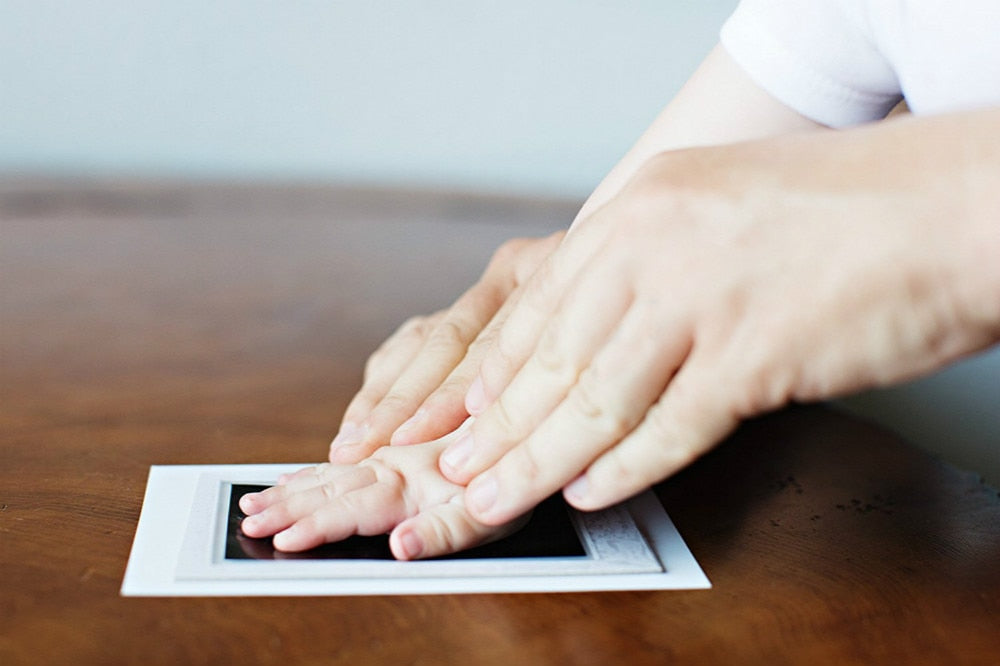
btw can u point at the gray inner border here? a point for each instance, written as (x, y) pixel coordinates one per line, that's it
(610, 537)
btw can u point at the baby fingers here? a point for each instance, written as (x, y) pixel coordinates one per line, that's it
(374, 509)
(443, 529)
(275, 509)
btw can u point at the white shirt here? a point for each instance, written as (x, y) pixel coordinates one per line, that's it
(844, 62)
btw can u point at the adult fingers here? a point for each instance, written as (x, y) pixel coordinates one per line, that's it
(384, 365)
(580, 326)
(687, 421)
(381, 371)
(603, 406)
(514, 340)
(444, 409)
(397, 407)
(445, 346)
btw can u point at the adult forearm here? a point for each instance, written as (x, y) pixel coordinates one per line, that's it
(719, 104)
(944, 172)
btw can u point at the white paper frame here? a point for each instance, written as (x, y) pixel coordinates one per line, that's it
(167, 560)
(610, 538)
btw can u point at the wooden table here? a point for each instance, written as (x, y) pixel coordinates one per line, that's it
(157, 324)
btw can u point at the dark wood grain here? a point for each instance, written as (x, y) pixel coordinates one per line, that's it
(158, 324)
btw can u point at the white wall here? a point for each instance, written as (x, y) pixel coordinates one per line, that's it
(517, 96)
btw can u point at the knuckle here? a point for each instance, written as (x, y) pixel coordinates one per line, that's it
(668, 447)
(550, 355)
(350, 505)
(450, 334)
(394, 402)
(416, 326)
(499, 362)
(546, 287)
(592, 408)
(330, 493)
(410, 333)
(502, 417)
(451, 391)
(660, 427)
(385, 473)
(618, 471)
(413, 329)
(379, 464)
(484, 340)
(449, 398)
(525, 466)
(443, 535)
(366, 398)
(766, 387)
(534, 256)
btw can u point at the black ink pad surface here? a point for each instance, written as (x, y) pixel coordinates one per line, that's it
(549, 533)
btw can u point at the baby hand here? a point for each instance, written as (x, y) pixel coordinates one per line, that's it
(397, 489)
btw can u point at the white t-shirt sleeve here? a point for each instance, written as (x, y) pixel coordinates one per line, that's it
(818, 58)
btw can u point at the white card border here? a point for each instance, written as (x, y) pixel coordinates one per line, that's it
(171, 489)
(611, 539)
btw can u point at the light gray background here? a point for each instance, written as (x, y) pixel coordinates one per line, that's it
(516, 96)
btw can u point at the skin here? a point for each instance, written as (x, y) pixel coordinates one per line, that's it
(726, 282)
(415, 384)
(396, 490)
(738, 258)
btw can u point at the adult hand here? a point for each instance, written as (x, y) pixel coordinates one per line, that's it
(398, 490)
(725, 282)
(415, 383)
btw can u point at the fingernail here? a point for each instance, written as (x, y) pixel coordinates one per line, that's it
(577, 489)
(349, 435)
(249, 522)
(246, 502)
(412, 544)
(475, 397)
(399, 437)
(456, 455)
(286, 538)
(482, 494)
